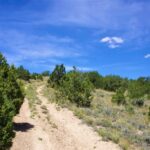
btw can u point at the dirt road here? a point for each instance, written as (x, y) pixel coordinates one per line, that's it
(54, 129)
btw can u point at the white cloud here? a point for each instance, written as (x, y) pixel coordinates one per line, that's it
(113, 42)
(22, 46)
(147, 56)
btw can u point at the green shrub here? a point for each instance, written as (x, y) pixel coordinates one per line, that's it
(73, 86)
(138, 102)
(39, 77)
(77, 88)
(124, 143)
(11, 98)
(45, 73)
(119, 97)
(129, 108)
(36, 76)
(147, 140)
(113, 83)
(107, 135)
(106, 123)
(89, 120)
(23, 73)
(138, 88)
(79, 113)
(57, 75)
(95, 78)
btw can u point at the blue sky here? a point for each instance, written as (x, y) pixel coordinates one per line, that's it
(111, 36)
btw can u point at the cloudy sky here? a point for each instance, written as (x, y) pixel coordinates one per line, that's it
(111, 36)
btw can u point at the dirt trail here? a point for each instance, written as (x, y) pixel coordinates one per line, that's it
(55, 129)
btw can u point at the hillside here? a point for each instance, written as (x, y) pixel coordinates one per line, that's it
(44, 125)
(127, 126)
(72, 109)
(53, 126)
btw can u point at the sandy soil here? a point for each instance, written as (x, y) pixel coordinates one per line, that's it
(54, 129)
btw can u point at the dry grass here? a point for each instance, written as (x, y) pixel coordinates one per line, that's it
(31, 95)
(127, 126)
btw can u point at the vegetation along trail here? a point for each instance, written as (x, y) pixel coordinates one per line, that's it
(51, 128)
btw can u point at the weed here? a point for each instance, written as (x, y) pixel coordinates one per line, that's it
(106, 123)
(79, 113)
(124, 143)
(107, 135)
(89, 120)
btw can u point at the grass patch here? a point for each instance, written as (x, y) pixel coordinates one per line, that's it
(79, 113)
(32, 98)
(89, 120)
(50, 93)
(107, 135)
(31, 95)
(124, 143)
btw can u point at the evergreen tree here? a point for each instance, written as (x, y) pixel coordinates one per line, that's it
(57, 75)
(23, 73)
(95, 78)
(11, 98)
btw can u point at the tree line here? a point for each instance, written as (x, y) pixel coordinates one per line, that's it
(77, 86)
(25, 75)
